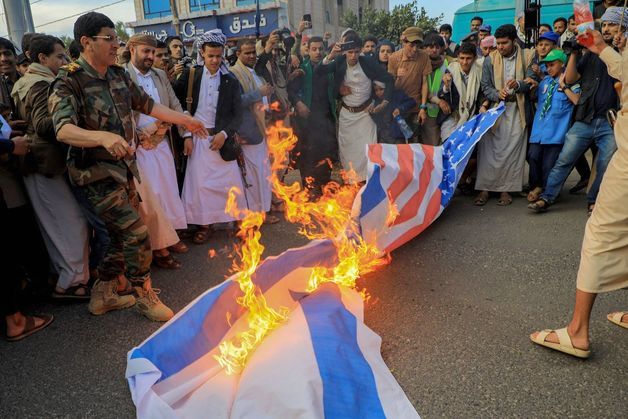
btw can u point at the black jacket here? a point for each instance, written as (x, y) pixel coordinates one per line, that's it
(229, 107)
(370, 66)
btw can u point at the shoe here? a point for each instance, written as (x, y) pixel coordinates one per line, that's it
(105, 298)
(582, 183)
(565, 345)
(149, 304)
(616, 318)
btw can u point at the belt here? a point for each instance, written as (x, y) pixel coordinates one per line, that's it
(356, 109)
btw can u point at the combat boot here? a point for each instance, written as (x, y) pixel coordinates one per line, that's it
(105, 298)
(149, 304)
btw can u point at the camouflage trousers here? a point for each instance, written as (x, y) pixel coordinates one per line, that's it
(129, 250)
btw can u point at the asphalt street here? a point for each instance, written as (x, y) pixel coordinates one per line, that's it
(454, 310)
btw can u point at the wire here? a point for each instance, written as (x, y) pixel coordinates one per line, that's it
(79, 14)
(32, 2)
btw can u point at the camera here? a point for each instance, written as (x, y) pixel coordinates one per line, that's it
(287, 39)
(571, 45)
(186, 61)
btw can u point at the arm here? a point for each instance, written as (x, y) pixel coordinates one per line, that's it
(174, 104)
(42, 121)
(571, 73)
(180, 86)
(612, 59)
(488, 88)
(251, 97)
(236, 110)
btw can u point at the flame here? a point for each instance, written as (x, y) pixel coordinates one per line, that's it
(329, 217)
(260, 317)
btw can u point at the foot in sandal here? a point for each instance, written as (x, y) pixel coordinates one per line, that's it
(563, 341)
(534, 194)
(20, 326)
(620, 318)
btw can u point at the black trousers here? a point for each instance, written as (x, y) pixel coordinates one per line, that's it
(22, 255)
(317, 149)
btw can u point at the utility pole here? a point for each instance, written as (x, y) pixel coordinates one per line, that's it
(175, 17)
(19, 19)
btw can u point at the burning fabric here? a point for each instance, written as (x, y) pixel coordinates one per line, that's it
(285, 337)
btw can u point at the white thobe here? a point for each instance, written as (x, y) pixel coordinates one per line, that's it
(208, 177)
(356, 130)
(158, 163)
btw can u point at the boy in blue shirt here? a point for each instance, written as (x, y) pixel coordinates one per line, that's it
(551, 122)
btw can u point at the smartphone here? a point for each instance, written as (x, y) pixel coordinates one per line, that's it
(346, 46)
(308, 18)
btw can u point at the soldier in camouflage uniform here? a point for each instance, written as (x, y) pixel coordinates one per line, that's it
(91, 103)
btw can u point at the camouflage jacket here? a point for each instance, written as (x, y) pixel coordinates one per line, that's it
(81, 97)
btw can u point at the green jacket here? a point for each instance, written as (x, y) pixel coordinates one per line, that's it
(79, 96)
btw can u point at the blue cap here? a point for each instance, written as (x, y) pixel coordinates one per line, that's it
(550, 36)
(486, 28)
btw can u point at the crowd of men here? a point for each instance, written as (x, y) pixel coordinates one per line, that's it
(114, 154)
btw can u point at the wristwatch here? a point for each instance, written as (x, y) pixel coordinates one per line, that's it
(423, 106)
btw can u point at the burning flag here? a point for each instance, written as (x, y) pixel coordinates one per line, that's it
(285, 337)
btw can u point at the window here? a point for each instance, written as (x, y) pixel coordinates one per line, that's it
(156, 8)
(200, 5)
(241, 3)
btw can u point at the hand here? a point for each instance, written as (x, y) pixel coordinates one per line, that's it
(294, 61)
(444, 106)
(370, 108)
(379, 108)
(503, 94)
(619, 41)
(178, 69)
(597, 45)
(335, 51)
(447, 79)
(196, 127)
(422, 116)
(188, 146)
(295, 74)
(115, 145)
(396, 113)
(344, 90)
(537, 69)
(266, 89)
(21, 146)
(270, 43)
(303, 25)
(483, 109)
(18, 124)
(302, 110)
(512, 84)
(218, 141)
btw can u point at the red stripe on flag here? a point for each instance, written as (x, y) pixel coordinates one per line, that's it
(433, 208)
(405, 159)
(411, 208)
(375, 155)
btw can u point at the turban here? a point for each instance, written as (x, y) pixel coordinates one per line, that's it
(142, 39)
(379, 84)
(489, 41)
(215, 36)
(614, 14)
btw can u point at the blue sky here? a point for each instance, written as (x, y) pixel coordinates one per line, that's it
(45, 11)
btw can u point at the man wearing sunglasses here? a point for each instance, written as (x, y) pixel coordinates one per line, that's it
(91, 104)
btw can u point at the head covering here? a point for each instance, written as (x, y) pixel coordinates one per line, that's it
(214, 36)
(613, 15)
(489, 41)
(22, 59)
(550, 36)
(379, 84)
(486, 28)
(472, 36)
(412, 34)
(555, 55)
(142, 39)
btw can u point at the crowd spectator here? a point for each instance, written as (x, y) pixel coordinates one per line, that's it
(370, 44)
(485, 30)
(446, 31)
(385, 48)
(434, 45)
(544, 28)
(476, 22)
(488, 45)
(384, 114)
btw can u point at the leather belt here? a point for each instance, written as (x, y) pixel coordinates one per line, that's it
(356, 109)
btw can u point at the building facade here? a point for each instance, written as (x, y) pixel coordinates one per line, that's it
(236, 18)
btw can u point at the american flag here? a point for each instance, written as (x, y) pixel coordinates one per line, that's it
(415, 182)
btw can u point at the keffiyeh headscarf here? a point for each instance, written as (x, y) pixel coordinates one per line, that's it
(614, 14)
(214, 36)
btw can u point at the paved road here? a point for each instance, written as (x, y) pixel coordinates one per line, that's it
(454, 310)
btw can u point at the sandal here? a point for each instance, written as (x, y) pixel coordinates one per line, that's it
(616, 318)
(504, 202)
(539, 206)
(201, 236)
(481, 199)
(590, 209)
(166, 262)
(30, 328)
(565, 345)
(534, 194)
(179, 248)
(71, 294)
(582, 183)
